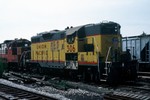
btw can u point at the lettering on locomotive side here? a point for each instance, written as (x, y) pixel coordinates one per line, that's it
(41, 46)
(70, 48)
(54, 45)
(42, 52)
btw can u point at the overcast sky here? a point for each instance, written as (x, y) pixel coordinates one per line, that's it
(26, 18)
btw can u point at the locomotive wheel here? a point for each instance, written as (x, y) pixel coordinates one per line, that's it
(87, 76)
(40, 70)
(93, 77)
(84, 76)
(73, 74)
(96, 77)
(34, 70)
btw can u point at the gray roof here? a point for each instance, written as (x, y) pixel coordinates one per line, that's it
(73, 30)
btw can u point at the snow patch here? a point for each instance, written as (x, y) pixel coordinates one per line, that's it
(68, 92)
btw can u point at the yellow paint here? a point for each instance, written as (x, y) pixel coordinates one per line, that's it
(71, 48)
(48, 51)
(56, 50)
(101, 46)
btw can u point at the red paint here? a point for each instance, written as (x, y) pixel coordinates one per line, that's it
(47, 61)
(87, 63)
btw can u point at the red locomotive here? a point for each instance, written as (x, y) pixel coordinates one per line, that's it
(11, 51)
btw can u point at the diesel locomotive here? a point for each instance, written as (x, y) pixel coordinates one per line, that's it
(12, 50)
(90, 52)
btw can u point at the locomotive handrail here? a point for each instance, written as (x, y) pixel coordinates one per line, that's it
(107, 63)
(108, 54)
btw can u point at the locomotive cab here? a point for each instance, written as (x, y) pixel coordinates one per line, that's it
(72, 48)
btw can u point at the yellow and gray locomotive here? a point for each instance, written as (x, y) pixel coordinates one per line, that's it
(91, 52)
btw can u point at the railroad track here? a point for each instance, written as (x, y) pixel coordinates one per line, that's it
(12, 93)
(129, 93)
(125, 96)
(144, 74)
(109, 95)
(29, 79)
